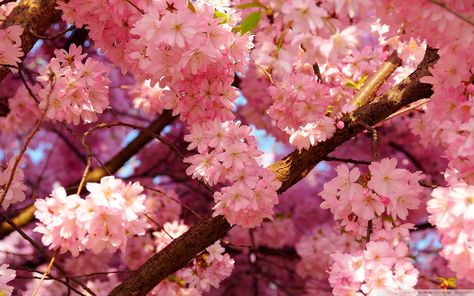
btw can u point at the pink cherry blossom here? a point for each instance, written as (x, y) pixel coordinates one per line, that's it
(10, 47)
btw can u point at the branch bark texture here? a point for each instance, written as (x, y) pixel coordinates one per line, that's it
(289, 170)
(32, 15)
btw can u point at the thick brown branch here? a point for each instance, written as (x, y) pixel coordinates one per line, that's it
(289, 170)
(30, 14)
(37, 15)
(27, 215)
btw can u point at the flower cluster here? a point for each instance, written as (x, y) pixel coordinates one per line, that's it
(148, 98)
(108, 23)
(448, 118)
(452, 211)
(315, 254)
(381, 269)
(10, 47)
(112, 211)
(6, 275)
(23, 113)
(16, 191)
(306, 122)
(355, 199)
(74, 90)
(183, 45)
(228, 153)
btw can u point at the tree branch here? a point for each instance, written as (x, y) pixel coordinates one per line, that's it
(113, 165)
(289, 171)
(31, 14)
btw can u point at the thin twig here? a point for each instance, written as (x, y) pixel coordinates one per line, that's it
(347, 160)
(43, 253)
(404, 110)
(374, 138)
(134, 5)
(49, 277)
(84, 175)
(142, 129)
(26, 85)
(175, 200)
(159, 226)
(6, 2)
(24, 147)
(442, 4)
(53, 36)
(46, 272)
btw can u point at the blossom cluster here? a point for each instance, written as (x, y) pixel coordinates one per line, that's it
(315, 254)
(17, 188)
(354, 199)
(448, 117)
(194, 54)
(6, 9)
(452, 211)
(108, 23)
(306, 122)
(10, 47)
(228, 153)
(180, 44)
(6, 275)
(73, 89)
(148, 97)
(23, 113)
(381, 269)
(110, 213)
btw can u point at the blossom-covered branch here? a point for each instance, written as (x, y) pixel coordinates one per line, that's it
(289, 170)
(27, 215)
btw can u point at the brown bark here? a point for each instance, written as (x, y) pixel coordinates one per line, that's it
(289, 170)
(113, 165)
(32, 15)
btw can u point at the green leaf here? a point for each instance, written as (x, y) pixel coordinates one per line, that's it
(250, 22)
(220, 15)
(361, 82)
(191, 6)
(251, 5)
(350, 83)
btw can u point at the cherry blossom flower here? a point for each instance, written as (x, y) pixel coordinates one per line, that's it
(10, 47)
(79, 90)
(112, 211)
(16, 191)
(6, 275)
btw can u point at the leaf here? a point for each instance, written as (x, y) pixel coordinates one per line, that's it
(350, 83)
(362, 80)
(220, 15)
(191, 6)
(452, 282)
(250, 22)
(251, 5)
